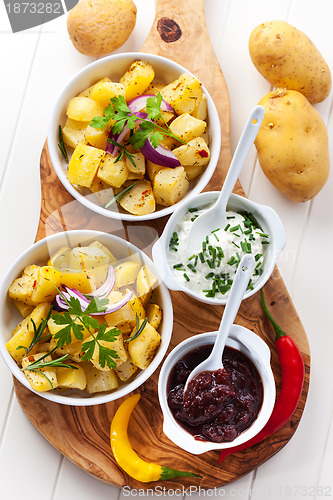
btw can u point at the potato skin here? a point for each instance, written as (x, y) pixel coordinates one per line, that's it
(292, 145)
(98, 27)
(286, 57)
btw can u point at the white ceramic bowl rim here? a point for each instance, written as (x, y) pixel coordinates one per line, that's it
(256, 350)
(267, 217)
(73, 87)
(58, 240)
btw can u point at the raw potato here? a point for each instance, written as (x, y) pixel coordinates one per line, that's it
(292, 145)
(286, 57)
(98, 27)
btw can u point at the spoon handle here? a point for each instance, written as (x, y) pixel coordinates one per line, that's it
(244, 145)
(239, 286)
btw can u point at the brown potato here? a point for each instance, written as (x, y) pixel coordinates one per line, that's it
(286, 57)
(98, 27)
(292, 145)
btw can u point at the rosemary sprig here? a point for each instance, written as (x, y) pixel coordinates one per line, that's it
(123, 151)
(118, 197)
(61, 144)
(38, 364)
(139, 329)
(38, 332)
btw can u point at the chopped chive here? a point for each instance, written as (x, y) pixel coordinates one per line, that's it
(191, 210)
(236, 234)
(214, 231)
(235, 244)
(224, 289)
(195, 261)
(232, 261)
(175, 236)
(257, 256)
(250, 286)
(204, 245)
(201, 257)
(179, 266)
(209, 275)
(207, 240)
(265, 242)
(238, 257)
(258, 272)
(173, 248)
(186, 277)
(263, 235)
(231, 217)
(192, 257)
(193, 269)
(193, 218)
(210, 293)
(220, 252)
(232, 229)
(227, 227)
(248, 231)
(216, 237)
(251, 237)
(258, 265)
(247, 223)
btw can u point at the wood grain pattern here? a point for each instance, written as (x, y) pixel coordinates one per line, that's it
(82, 433)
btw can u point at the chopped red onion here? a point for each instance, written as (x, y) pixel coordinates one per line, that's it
(107, 287)
(160, 155)
(138, 103)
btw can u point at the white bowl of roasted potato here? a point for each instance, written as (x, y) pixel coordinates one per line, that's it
(134, 135)
(85, 318)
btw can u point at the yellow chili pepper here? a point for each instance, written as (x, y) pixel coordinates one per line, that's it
(126, 457)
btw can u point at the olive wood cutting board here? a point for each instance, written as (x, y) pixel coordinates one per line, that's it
(82, 433)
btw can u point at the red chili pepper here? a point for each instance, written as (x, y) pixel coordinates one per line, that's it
(292, 375)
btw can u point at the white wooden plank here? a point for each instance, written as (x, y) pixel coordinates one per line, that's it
(295, 215)
(311, 289)
(325, 478)
(27, 460)
(15, 73)
(74, 483)
(246, 86)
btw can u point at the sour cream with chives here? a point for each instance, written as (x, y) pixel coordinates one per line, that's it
(211, 271)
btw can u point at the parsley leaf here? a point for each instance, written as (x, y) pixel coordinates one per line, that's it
(122, 117)
(99, 122)
(153, 107)
(75, 320)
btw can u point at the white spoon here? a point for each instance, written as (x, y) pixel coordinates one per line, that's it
(216, 215)
(239, 286)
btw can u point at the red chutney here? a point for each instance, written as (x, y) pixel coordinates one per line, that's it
(218, 405)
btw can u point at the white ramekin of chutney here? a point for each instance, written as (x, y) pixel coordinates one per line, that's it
(225, 429)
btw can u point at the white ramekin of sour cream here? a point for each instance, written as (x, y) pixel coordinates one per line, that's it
(208, 277)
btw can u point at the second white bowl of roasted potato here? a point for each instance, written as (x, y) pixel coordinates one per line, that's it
(138, 135)
(84, 318)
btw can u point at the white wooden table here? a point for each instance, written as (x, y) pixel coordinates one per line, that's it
(35, 64)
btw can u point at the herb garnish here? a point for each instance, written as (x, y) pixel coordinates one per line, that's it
(61, 144)
(64, 336)
(139, 329)
(118, 197)
(38, 332)
(122, 116)
(37, 365)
